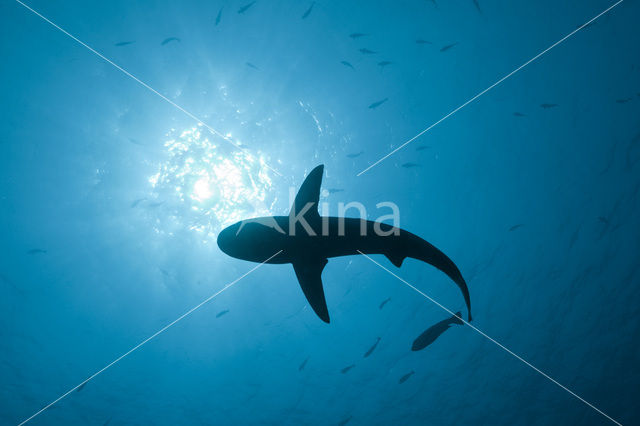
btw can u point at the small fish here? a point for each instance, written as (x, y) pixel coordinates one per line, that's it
(124, 43)
(547, 106)
(335, 190)
(623, 101)
(519, 114)
(221, 313)
(603, 220)
(372, 348)
(357, 35)
(410, 165)
(383, 64)
(366, 51)
(347, 64)
(355, 155)
(250, 65)
(343, 422)
(219, 16)
(303, 365)
(447, 47)
(384, 302)
(422, 147)
(136, 202)
(422, 41)
(36, 251)
(246, 7)
(156, 205)
(169, 40)
(308, 12)
(514, 227)
(347, 368)
(378, 103)
(477, 4)
(135, 141)
(82, 386)
(406, 377)
(432, 333)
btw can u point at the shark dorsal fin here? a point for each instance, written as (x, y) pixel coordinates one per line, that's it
(306, 201)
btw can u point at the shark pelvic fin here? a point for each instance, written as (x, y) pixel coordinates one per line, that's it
(396, 258)
(309, 273)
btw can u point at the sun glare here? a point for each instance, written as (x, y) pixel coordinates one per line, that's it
(203, 186)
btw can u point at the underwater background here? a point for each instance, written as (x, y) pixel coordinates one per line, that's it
(111, 198)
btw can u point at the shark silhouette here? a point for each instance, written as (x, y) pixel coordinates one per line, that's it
(312, 239)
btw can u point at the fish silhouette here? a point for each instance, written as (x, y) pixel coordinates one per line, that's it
(384, 302)
(246, 7)
(378, 103)
(406, 377)
(347, 368)
(447, 47)
(169, 40)
(432, 333)
(124, 43)
(304, 364)
(343, 422)
(312, 240)
(136, 202)
(477, 5)
(219, 16)
(221, 313)
(547, 106)
(347, 64)
(308, 12)
(372, 348)
(366, 51)
(410, 165)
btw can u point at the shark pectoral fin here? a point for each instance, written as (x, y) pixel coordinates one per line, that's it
(396, 258)
(309, 273)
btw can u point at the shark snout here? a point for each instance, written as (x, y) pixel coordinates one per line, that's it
(226, 239)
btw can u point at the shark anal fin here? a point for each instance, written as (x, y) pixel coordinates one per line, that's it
(309, 273)
(396, 258)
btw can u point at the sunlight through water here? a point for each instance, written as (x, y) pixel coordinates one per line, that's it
(203, 186)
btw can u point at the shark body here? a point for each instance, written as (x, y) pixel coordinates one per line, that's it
(307, 241)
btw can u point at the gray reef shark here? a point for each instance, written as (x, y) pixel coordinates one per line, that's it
(307, 241)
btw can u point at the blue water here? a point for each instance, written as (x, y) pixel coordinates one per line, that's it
(88, 180)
